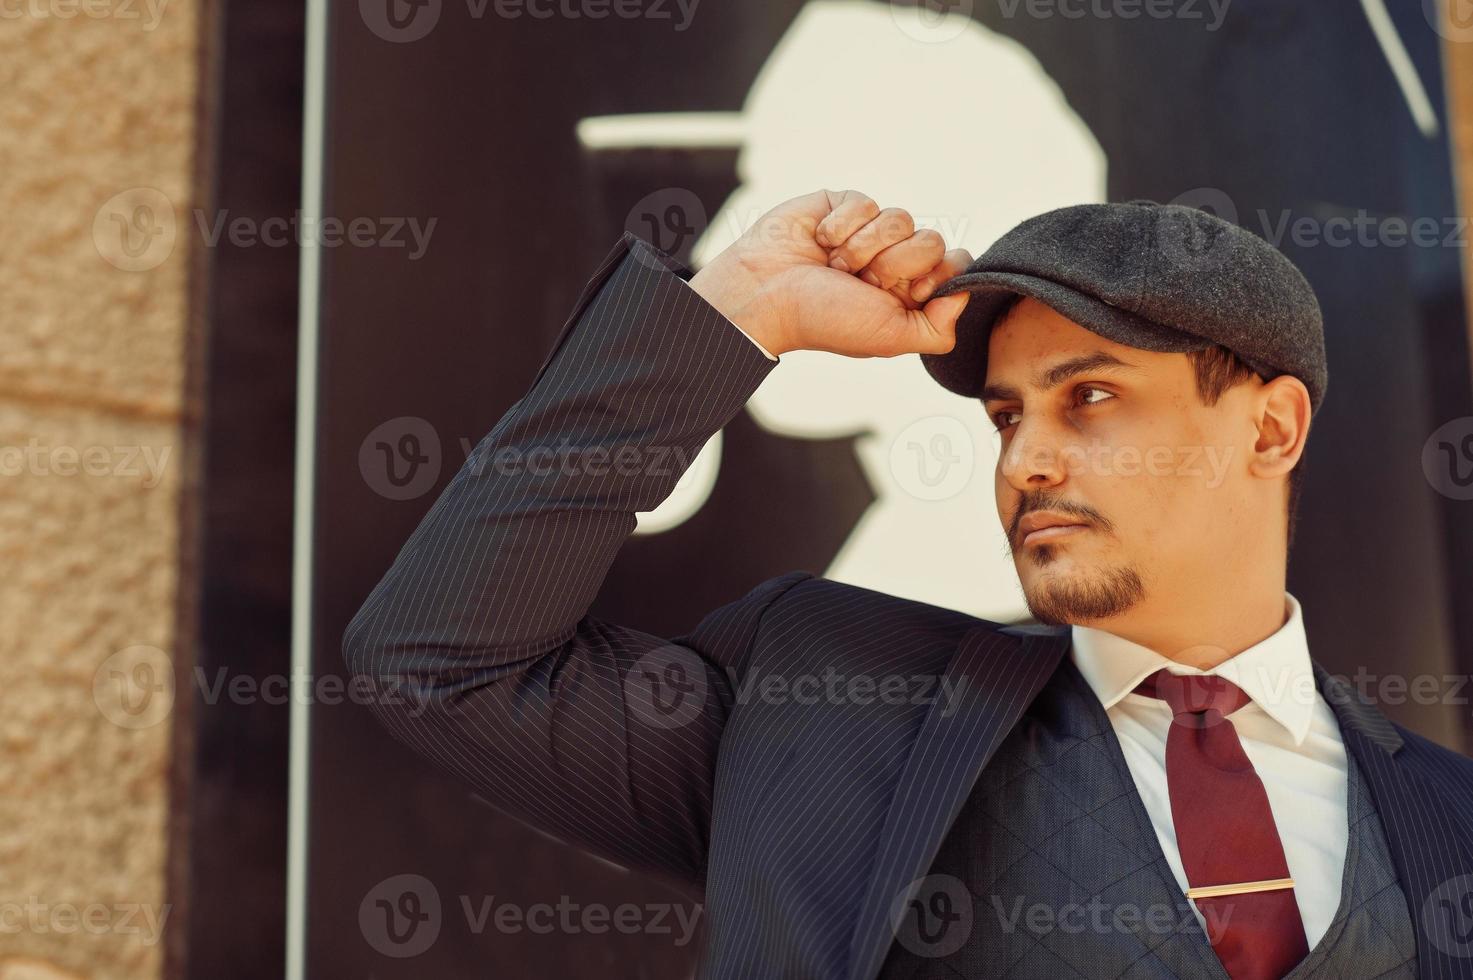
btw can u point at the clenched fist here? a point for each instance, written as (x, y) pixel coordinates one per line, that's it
(832, 271)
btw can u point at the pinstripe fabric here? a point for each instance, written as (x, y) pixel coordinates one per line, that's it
(476, 636)
(1424, 795)
(818, 811)
(829, 812)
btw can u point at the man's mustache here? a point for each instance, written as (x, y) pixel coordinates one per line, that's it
(1039, 500)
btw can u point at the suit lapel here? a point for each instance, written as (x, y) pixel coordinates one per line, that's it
(996, 677)
(1424, 832)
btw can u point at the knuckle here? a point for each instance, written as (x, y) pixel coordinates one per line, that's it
(897, 221)
(930, 240)
(879, 272)
(930, 245)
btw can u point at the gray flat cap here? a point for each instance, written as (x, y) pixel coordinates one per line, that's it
(1159, 277)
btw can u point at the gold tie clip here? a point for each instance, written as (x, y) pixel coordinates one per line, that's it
(1241, 888)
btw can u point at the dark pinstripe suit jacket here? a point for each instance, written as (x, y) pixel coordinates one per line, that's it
(802, 752)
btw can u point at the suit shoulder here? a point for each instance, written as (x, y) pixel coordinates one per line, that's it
(1449, 766)
(744, 612)
(801, 609)
(1434, 752)
(808, 596)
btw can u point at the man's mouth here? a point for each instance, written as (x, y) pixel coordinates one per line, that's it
(1053, 533)
(1042, 527)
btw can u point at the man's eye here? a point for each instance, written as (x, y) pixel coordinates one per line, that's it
(1083, 395)
(1005, 420)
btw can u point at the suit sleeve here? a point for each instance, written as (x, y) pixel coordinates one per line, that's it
(765, 352)
(477, 641)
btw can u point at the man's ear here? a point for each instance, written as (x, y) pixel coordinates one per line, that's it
(1282, 410)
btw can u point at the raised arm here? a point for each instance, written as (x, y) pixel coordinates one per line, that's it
(478, 640)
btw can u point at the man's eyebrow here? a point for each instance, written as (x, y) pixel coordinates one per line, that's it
(1056, 375)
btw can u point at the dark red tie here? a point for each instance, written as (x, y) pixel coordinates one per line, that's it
(1225, 831)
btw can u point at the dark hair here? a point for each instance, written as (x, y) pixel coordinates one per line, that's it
(1219, 369)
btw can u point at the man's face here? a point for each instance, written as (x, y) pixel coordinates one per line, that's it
(1116, 485)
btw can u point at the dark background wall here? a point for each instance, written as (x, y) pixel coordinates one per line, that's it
(228, 862)
(474, 124)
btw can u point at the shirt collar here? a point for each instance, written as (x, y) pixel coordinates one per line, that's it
(1275, 672)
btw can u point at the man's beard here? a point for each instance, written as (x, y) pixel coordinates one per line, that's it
(1063, 601)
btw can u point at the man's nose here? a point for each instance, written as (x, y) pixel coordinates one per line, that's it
(1032, 459)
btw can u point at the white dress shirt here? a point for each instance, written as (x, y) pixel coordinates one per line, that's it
(1288, 732)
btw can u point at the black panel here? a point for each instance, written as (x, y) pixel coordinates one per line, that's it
(472, 125)
(234, 813)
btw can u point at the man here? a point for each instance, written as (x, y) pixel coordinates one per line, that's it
(1158, 783)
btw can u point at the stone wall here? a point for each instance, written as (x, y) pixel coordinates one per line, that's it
(98, 134)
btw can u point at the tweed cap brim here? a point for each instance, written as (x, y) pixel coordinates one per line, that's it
(1157, 277)
(964, 369)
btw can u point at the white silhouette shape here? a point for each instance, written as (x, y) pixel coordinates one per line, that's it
(964, 129)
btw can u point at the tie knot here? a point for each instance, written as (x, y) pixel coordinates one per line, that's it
(1194, 694)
